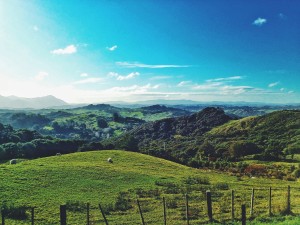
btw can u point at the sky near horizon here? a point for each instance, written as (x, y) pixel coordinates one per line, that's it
(127, 50)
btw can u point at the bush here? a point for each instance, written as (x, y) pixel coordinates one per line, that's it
(222, 186)
(148, 193)
(256, 169)
(171, 203)
(122, 202)
(14, 212)
(296, 173)
(197, 180)
(76, 206)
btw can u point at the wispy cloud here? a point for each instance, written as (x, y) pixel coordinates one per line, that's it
(112, 48)
(160, 78)
(70, 49)
(126, 77)
(136, 89)
(142, 65)
(207, 86)
(291, 92)
(282, 16)
(259, 21)
(226, 79)
(90, 80)
(84, 75)
(184, 83)
(282, 89)
(41, 76)
(273, 84)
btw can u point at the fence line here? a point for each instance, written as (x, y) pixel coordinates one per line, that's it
(188, 217)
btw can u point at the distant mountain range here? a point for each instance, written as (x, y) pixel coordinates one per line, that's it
(193, 103)
(14, 102)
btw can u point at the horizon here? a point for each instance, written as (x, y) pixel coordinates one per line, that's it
(105, 51)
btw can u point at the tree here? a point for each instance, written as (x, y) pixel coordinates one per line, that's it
(102, 123)
(207, 148)
(116, 117)
(292, 150)
(241, 148)
(236, 149)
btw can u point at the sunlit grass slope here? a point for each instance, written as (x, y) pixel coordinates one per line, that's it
(87, 177)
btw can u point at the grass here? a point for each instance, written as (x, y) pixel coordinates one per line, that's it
(79, 178)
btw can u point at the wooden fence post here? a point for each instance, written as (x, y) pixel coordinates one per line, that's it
(63, 215)
(252, 203)
(140, 210)
(165, 212)
(209, 206)
(3, 217)
(102, 212)
(270, 201)
(232, 205)
(288, 205)
(243, 214)
(32, 216)
(88, 213)
(187, 209)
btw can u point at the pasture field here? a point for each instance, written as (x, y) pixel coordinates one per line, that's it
(78, 178)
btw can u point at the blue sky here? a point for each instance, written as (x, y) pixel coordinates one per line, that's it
(127, 50)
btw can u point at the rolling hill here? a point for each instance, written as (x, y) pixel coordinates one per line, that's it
(14, 102)
(87, 177)
(270, 134)
(212, 133)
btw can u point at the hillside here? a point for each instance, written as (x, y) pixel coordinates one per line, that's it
(14, 102)
(212, 133)
(92, 122)
(272, 135)
(87, 177)
(173, 138)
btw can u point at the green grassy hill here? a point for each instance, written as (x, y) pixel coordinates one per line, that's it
(272, 134)
(87, 177)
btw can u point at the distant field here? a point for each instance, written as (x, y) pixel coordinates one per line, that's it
(87, 177)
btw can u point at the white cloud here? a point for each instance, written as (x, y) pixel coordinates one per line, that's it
(89, 80)
(282, 16)
(226, 79)
(35, 28)
(84, 75)
(183, 83)
(207, 86)
(141, 65)
(113, 48)
(41, 76)
(273, 84)
(290, 92)
(259, 21)
(121, 77)
(282, 89)
(70, 49)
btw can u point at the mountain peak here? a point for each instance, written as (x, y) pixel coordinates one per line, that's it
(14, 102)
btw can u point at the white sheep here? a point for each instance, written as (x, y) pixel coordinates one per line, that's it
(109, 160)
(58, 154)
(13, 161)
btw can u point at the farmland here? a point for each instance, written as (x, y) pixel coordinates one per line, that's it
(78, 178)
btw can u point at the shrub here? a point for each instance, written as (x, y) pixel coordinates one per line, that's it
(256, 169)
(197, 180)
(148, 193)
(122, 202)
(75, 206)
(14, 212)
(296, 173)
(222, 186)
(107, 208)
